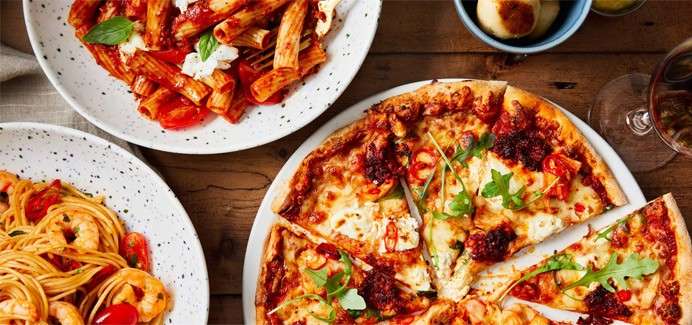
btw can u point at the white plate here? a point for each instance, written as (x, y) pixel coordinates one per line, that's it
(265, 217)
(132, 189)
(105, 101)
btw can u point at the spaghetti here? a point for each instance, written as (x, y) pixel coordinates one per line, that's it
(67, 258)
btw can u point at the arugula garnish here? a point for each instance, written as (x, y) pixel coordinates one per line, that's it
(110, 32)
(555, 262)
(207, 44)
(423, 192)
(463, 203)
(330, 317)
(605, 232)
(474, 149)
(633, 266)
(500, 187)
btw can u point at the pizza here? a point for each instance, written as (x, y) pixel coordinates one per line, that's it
(493, 169)
(635, 270)
(427, 190)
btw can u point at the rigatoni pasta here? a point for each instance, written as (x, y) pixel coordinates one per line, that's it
(182, 59)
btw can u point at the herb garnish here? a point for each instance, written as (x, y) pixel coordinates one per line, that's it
(207, 44)
(555, 262)
(633, 266)
(110, 32)
(605, 232)
(475, 149)
(463, 203)
(500, 187)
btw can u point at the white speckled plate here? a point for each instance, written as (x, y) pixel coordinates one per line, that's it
(265, 217)
(105, 101)
(132, 189)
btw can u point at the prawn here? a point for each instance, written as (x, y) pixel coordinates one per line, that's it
(84, 228)
(65, 313)
(153, 299)
(17, 309)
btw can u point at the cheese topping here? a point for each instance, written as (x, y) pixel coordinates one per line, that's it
(459, 284)
(183, 4)
(134, 43)
(407, 233)
(220, 59)
(416, 277)
(356, 222)
(326, 8)
(542, 225)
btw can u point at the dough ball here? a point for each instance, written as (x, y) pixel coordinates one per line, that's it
(549, 11)
(508, 19)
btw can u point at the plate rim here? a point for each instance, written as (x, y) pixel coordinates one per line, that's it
(145, 167)
(49, 72)
(262, 225)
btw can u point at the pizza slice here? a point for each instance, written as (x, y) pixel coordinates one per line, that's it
(347, 191)
(302, 282)
(636, 270)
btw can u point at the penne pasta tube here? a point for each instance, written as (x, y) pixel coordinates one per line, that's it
(169, 76)
(237, 109)
(257, 38)
(151, 105)
(136, 9)
(220, 80)
(310, 58)
(288, 39)
(109, 10)
(107, 57)
(220, 101)
(226, 31)
(158, 13)
(82, 12)
(272, 82)
(142, 86)
(203, 14)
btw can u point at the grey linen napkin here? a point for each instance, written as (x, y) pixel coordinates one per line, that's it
(26, 95)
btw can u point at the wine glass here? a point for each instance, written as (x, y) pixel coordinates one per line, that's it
(636, 112)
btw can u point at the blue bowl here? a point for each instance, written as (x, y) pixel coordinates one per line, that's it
(572, 15)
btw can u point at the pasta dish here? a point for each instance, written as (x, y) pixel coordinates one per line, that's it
(184, 58)
(67, 258)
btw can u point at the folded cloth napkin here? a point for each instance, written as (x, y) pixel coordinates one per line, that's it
(31, 98)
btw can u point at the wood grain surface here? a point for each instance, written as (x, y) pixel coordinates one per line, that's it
(416, 40)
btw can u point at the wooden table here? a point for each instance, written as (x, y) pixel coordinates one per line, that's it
(416, 40)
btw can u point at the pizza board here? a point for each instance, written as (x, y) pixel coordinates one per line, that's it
(265, 216)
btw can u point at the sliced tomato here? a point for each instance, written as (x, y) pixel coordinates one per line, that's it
(624, 295)
(247, 75)
(135, 250)
(563, 167)
(38, 204)
(391, 236)
(180, 113)
(118, 314)
(175, 56)
(422, 164)
(101, 276)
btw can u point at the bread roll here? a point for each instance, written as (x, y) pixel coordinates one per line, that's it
(549, 11)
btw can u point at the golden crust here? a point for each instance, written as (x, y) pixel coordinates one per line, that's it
(684, 257)
(571, 136)
(271, 250)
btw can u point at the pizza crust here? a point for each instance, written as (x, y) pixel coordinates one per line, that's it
(571, 136)
(684, 258)
(270, 252)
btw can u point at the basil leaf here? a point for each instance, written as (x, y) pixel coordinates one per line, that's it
(17, 233)
(110, 32)
(318, 277)
(633, 266)
(351, 300)
(207, 45)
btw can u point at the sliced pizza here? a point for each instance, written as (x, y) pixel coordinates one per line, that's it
(302, 282)
(347, 191)
(636, 270)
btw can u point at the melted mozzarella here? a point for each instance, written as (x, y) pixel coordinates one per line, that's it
(542, 225)
(220, 59)
(356, 222)
(407, 233)
(416, 277)
(326, 8)
(134, 42)
(459, 284)
(183, 4)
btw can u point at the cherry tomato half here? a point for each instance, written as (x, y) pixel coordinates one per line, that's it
(135, 250)
(101, 276)
(247, 75)
(391, 236)
(175, 56)
(118, 314)
(39, 202)
(624, 295)
(62, 263)
(181, 113)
